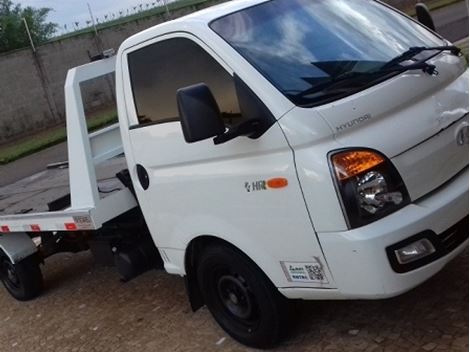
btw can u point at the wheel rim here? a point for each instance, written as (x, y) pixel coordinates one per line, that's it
(235, 299)
(9, 275)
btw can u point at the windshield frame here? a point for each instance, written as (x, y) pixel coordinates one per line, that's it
(373, 82)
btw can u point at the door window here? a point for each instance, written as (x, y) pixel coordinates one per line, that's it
(157, 71)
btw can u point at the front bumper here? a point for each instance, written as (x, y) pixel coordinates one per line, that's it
(358, 259)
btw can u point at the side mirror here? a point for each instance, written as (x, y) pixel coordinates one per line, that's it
(424, 16)
(199, 113)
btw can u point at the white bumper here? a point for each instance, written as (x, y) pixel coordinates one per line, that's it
(358, 260)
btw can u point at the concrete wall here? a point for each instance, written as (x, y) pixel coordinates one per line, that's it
(31, 85)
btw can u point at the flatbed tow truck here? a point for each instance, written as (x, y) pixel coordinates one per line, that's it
(265, 151)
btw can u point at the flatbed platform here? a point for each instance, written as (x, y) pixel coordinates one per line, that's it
(33, 194)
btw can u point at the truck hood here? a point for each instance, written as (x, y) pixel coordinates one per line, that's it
(416, 120)
(400, 113)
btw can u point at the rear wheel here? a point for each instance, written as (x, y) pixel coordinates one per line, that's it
(23, 280)
(240, 297)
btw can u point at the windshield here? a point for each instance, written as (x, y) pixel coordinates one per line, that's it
(299, 45)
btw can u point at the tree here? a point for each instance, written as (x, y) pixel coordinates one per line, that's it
(12, 29)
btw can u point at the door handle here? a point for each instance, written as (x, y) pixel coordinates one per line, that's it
(143, 177)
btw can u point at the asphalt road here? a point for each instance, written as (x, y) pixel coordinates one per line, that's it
(452, 21)
(32, 164)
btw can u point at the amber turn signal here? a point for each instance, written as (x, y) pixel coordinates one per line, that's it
(351, 163)
(279, 182)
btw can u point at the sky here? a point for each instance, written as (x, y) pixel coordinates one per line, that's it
(66, 12)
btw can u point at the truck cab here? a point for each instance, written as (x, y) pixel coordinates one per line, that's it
(286, 132)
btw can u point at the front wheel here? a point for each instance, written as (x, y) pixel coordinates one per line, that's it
(22, 280)
(240, 297)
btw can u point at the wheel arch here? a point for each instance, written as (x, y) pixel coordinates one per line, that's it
(17, 246)
(193, 250)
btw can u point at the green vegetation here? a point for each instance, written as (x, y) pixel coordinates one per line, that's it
(48, 138)
(13, 34)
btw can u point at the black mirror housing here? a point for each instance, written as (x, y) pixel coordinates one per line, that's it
(424, 16)
(199, 113)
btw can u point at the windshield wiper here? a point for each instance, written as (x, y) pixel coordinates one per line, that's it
(415, 50)
(421, 65)
(354, 77)
(394, 64)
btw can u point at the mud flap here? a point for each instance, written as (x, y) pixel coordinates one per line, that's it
(194, 295)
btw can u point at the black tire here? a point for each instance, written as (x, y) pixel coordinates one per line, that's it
(22, 280)
(240, 297)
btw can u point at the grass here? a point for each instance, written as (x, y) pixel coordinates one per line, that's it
(45, 139)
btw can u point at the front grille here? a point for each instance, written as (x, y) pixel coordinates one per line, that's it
(455, 236)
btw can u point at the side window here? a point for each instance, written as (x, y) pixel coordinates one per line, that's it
(159, 70)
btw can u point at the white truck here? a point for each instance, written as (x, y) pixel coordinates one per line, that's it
(275, 149)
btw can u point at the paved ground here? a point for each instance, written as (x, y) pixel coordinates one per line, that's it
(32, 164)
(86, 308)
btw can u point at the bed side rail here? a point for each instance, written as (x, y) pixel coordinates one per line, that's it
(83, 183)
(86, 150)
(71, 219)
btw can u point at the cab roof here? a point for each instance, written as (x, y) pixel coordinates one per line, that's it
(189, 22)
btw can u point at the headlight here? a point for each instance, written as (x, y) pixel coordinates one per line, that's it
(368, 184)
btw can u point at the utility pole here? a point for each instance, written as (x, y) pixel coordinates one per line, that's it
(43, 77)
(166, 7)
(29, 35)
(97, 37)
(92, 19)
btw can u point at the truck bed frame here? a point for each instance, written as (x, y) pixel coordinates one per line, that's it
(88, 210)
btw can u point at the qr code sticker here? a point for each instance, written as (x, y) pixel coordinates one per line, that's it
(314, 272)
(304, 272)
